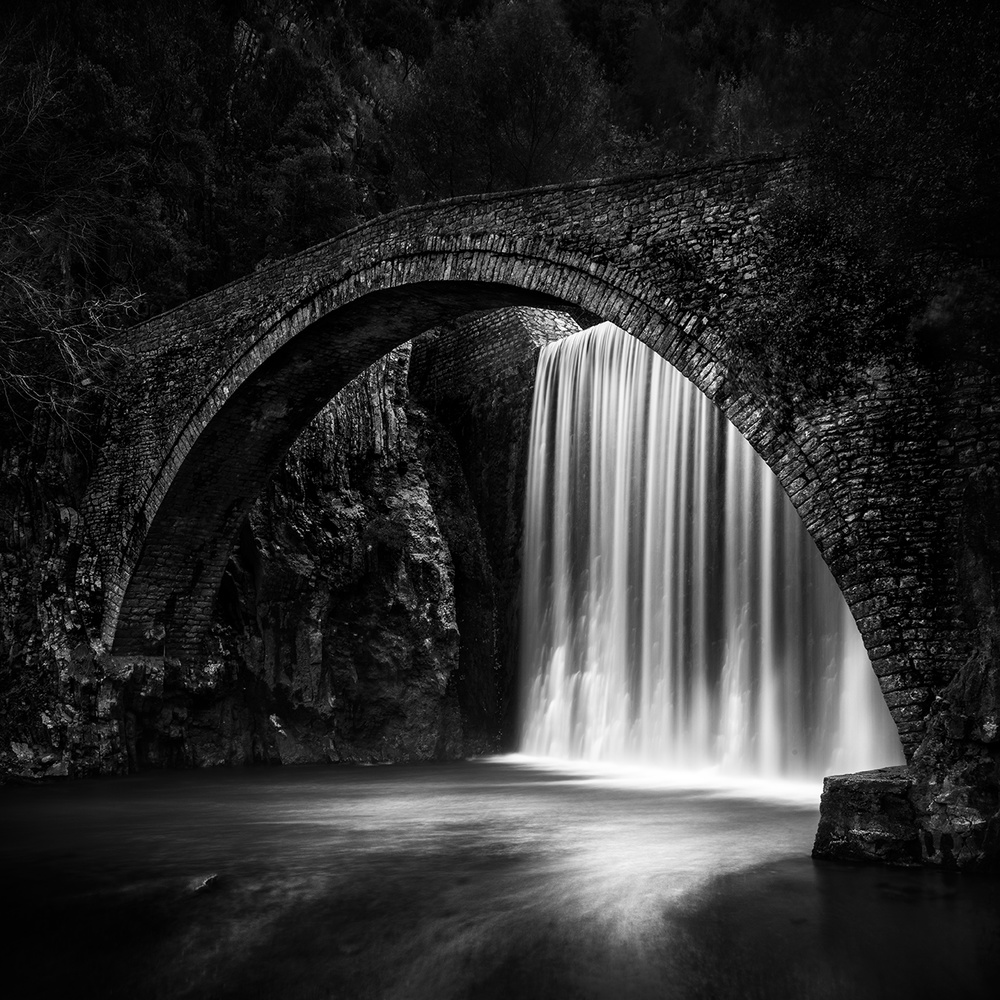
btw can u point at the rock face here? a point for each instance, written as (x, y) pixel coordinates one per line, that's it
(476, 608)
(479, 381)
(337, 616)
(910, 815)
(356, 621)
(868, 817)
(59, 699)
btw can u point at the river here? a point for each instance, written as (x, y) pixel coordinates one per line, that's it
(479, 879)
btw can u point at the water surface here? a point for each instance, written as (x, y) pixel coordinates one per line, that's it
(479, 879)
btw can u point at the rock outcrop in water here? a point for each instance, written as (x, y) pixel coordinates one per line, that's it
(944, 808)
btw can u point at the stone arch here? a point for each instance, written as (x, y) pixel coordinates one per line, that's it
(216, 390)
(221, 453)
(253, 409)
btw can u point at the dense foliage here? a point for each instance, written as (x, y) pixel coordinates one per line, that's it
(890, 253)
(509, 101)
(152, 150)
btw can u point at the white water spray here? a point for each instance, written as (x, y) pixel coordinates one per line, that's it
(675, 611)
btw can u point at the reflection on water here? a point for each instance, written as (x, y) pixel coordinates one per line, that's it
(480, 879)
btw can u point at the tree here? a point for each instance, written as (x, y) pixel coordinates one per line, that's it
(510, 101)
(890, 251)
(162, 149)
(62, 297)
(742, 120)
(402, 25)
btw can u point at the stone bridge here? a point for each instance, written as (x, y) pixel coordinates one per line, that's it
(214, 392)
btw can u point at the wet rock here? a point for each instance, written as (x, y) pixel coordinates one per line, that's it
(956, 787)
(57, 715)
(868, 817)
(370, 604)
(908, 815)
(207, 884)
(338, 626)
(337, 616)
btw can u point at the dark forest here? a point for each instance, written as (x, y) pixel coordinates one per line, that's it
(152, 151)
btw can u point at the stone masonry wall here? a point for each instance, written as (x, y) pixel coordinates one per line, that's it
(264, 353)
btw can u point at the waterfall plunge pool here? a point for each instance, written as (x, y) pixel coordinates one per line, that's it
(477, 879)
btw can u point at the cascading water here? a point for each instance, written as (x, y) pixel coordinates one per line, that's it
(675, 611)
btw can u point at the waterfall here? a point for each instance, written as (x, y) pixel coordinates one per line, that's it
(675, 611)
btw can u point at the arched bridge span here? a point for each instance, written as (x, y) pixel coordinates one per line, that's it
(214, 392)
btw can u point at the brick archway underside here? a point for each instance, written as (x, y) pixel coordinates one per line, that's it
(168, 600)
(216, 391)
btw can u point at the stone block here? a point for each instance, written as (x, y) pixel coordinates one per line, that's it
(868, 816)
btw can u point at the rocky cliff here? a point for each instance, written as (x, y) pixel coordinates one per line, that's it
(478, 380)
(358, 619)
(58, 704)
(337, 618)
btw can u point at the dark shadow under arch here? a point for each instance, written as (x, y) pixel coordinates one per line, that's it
(168, 600)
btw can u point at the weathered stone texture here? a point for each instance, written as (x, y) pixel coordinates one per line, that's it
(339, 630)
(473, 581)
(910, 815)
(478, 378)
(59, 694)
(246, 368)
(868, 817)
(336, 628)
(357, 634)
(876, 476)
